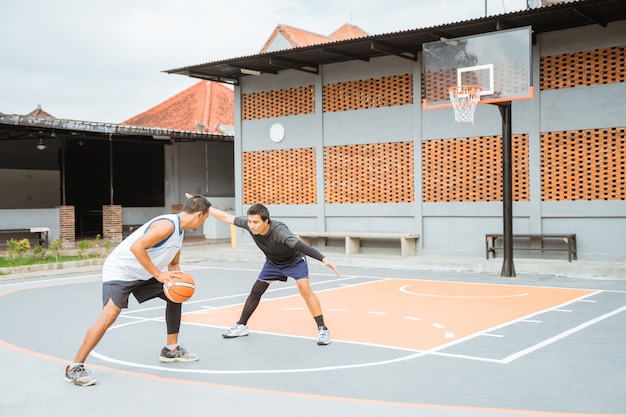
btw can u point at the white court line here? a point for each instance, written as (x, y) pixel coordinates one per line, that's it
(404, 290)
(537, 313)
(254, 371)
(137, 320)
(441, 347)
(28, 284)
(436, 351)
(560, 336)
(226, 297)
(487, 332)
(471, 358)
(535, 347)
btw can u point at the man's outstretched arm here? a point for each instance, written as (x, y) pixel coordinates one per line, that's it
(218, 214)
(222, 215)
(315, 254)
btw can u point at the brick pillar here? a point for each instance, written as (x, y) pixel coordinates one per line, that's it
(112, 223)
(67, 226)
(177, 208)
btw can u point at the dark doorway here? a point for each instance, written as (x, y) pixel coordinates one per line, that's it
(138, 178)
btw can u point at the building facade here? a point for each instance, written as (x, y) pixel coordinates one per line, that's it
(355, 151)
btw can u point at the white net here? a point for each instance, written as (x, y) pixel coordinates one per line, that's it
(464, 99)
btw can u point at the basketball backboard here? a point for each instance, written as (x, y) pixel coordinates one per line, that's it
(498, 62)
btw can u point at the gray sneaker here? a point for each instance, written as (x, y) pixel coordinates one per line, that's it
(79, 375)
(236, 331)
(180, 354)
(323, 336)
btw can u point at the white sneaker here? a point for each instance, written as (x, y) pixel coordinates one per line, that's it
(323, 336)
(79, 375)
(180, 354)
(236, 331)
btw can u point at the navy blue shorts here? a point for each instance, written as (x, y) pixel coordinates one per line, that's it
(273, 272)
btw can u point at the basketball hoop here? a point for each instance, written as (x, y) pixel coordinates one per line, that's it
(464, 99)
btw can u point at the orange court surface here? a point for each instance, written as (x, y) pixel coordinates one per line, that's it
(407, 314)
(404, 343)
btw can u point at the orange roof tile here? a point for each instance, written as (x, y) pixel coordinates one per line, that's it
(348, 31)
(201, 107)
(39, 112)
(207, 105)
(299, 37)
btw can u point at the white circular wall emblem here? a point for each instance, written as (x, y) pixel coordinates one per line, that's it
(277, 132)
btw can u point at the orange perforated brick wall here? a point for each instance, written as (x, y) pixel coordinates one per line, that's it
(370, 173)
(470, 169)
(366, 94)
(285, 102)
(279, 177)
(583, 165)
(598, 66)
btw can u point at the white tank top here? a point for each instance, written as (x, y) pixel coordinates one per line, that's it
(121, 264)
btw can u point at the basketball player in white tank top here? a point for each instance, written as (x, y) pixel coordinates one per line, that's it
(140, 265)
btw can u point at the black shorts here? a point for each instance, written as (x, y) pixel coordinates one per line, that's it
(119, 291)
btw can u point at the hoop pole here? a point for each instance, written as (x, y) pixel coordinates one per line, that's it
(508, 268)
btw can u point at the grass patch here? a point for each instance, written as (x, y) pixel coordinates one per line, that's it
(20, 253)
(8, 262)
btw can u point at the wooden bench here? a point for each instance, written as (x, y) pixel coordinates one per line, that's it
(569, 239)
(35, 235)
(408, 241)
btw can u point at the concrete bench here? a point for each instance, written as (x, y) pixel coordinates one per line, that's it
(569, 239)
(35, 235)
(408, 241)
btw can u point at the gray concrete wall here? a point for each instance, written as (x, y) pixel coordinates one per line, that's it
(29, 188)
(26, 218)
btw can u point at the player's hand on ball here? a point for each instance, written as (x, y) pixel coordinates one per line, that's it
(180, 287)
(166, 276)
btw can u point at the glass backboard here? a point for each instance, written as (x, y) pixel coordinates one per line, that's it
(499, 62)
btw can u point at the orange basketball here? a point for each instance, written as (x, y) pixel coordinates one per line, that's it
(180, 289)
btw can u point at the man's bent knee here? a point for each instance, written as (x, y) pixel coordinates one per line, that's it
(304, 287)
(110, 311)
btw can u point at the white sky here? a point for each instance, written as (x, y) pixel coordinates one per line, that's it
(102, 61)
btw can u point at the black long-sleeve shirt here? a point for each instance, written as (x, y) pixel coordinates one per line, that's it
(280, 245)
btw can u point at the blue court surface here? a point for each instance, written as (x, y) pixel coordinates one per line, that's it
(405, 343)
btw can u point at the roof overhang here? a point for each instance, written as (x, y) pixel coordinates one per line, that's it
(406, 44)
(27, 127)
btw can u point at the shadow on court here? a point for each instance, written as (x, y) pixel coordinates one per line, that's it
(405, 343)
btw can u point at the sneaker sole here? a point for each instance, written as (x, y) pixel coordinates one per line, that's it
(170, 360)
(81, 384)
(323, 343)
(227, 336)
